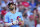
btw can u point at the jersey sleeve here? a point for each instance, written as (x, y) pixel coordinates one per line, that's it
(6, 18)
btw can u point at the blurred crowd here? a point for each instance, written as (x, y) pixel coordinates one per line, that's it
(30, 10)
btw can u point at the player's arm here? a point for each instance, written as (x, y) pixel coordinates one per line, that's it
(8, 24)
(21, 23)
(21, 20)
(6, 21)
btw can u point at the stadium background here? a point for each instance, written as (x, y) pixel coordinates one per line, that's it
(29, 9)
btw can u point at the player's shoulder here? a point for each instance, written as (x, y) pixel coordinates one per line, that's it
(7, 13)
(18, 12)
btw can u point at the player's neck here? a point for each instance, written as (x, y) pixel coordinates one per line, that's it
(13, 12)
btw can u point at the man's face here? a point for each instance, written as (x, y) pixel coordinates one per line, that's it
(12, 6)
(31, 18)
(21, 7)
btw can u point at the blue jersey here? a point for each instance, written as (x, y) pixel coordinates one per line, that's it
(10, 17)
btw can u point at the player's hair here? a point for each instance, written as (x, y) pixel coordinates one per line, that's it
(11, 4)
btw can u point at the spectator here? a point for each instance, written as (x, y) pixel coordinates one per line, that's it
(30, 22)
(38, 8)
(33, 4)
(3, 12)
(5, 2)
(21, 8)
(25, 20)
